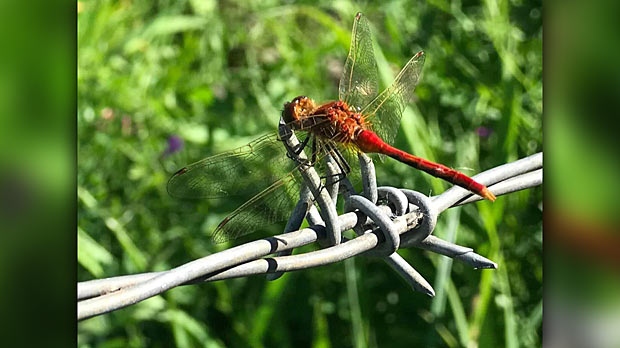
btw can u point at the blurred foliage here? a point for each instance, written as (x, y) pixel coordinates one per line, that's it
(583, 224)
(215, 74)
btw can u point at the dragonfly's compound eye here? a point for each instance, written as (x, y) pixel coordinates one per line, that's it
(300, 98)
(290, 112)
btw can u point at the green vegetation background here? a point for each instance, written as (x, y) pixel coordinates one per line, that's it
(216, 74)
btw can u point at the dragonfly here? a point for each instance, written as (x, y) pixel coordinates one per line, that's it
(361, 120)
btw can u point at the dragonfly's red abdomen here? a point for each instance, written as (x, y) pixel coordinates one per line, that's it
(368, 141)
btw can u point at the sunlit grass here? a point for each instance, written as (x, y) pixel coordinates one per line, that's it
(216, 75)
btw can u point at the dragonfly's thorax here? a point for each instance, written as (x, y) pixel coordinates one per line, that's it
(335, 120)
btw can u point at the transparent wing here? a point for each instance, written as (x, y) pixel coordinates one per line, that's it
(272, 205)
(359, 80)
(259, 173)
(385, 111)
(246, 170)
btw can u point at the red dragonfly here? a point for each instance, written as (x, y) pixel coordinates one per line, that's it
(361, 120)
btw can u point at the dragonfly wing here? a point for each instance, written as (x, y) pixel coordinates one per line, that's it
(359, 83)
(272, 205)
(241, 172)
(259, 173)
(387, 108)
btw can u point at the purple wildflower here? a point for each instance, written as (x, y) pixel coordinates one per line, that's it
(175, 144)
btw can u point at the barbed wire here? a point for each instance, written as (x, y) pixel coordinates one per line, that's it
(384, 219)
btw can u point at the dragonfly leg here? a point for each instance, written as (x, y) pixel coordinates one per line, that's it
(301, 146)
(343, 166)
(294, 153)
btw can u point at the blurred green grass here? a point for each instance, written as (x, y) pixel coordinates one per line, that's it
(216, 75)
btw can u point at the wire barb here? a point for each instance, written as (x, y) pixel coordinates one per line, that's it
(391, 219)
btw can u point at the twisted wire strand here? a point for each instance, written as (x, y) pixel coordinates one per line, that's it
(414, 219)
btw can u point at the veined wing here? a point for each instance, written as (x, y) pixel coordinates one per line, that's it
(259, 172)
(387, 108)
(359, 80)
(273, 204)
(243, 171)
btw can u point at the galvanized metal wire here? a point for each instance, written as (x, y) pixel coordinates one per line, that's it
(384, 218)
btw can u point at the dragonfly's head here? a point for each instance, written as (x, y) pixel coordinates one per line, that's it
(297, 108)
